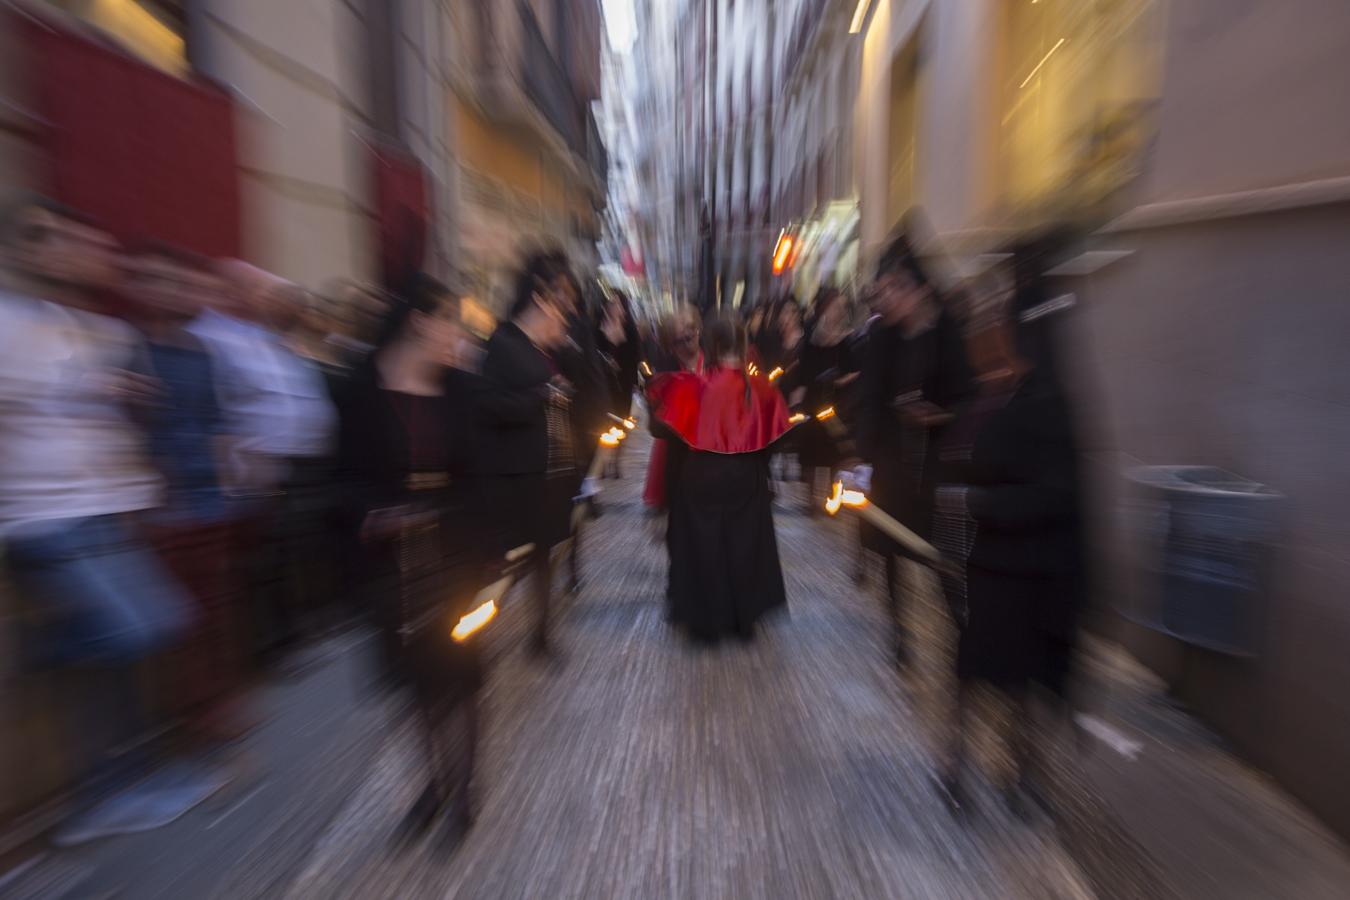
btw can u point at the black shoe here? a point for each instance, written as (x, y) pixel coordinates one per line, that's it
(455, 827)
(1018, 803)
(952, 794)
(422, 814)
(903, 657)
(543, 650)
(745, 634)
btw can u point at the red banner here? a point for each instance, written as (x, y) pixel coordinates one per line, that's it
(403, 209)
(147, 154)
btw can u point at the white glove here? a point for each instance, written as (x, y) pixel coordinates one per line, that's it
(859, 478)
(588, 488)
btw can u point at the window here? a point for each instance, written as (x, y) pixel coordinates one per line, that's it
(902, 146)
(152, 30)
(1078, 81)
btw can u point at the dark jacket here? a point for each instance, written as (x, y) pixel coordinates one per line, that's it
(511, 404)
(372, 447)
(933, 365)
(622, 363)
(580, 362)
(1025, 490)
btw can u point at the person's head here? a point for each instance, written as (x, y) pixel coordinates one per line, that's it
(616, 304)
(48, 243)
(902, 287)
(288, 307)
(789, 315)
(168, 283)
(569, 289)
(686, 329)
(357, 309)
(427, 322)
(831, 311)
(543, 300)
(254, 294)
(725, 340)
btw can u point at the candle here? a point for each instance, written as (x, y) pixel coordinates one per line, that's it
(879, 519)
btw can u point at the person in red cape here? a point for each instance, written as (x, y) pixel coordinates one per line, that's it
(724, 569)
(679, 353)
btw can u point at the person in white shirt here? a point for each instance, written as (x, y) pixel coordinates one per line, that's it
(74, 476)
(275, 404)
(279, 419)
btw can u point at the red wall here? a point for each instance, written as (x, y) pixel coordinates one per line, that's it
(148, 154)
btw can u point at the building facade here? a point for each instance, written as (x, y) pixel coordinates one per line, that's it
(478, 112)
(1201, 151)
(327, 140)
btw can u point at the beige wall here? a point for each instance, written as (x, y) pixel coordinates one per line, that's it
(305, 173)
(1255, 96)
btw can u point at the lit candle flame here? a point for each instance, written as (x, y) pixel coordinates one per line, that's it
(840, 497)
(826, 413)
(630, 423)
(608, 440)
(471, 622)
(836, 498)
(797, 417)
(777, 370)
(646, 369)
(752, 369)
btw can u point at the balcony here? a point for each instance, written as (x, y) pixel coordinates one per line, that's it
(596, 154)
(547, 85)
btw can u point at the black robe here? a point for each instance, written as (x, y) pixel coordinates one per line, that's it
(383, 462)
(820, 366)
(526, 444)
(1025, 580)
(724, 567)
(933, 364)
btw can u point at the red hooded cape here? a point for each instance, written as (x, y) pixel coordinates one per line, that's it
(712, 412)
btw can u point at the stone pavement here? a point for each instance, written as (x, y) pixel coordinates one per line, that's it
(796, 767)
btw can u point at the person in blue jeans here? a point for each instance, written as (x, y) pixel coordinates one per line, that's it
(73, 479)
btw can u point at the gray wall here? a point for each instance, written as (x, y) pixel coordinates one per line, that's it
(1223, 343)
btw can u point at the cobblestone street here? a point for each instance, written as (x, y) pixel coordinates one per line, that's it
(641, 767)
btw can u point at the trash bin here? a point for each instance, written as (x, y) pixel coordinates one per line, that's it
(1205, 536)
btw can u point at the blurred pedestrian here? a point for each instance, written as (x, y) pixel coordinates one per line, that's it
(915, 376)
(409, 467)
(681, 332)
(1009, 511)
(74, 477)
(280, 422)
(824, 377)
(524, 407)
(724, 568)
(579, 361)
(169, 288)
(620, 346)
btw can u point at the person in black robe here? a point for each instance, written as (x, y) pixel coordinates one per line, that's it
(524, 411)
(914, 377)
(621, 350)
(825, 376)
(579, 361)
(1009, 511)
(407, 464)
(724, 569)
